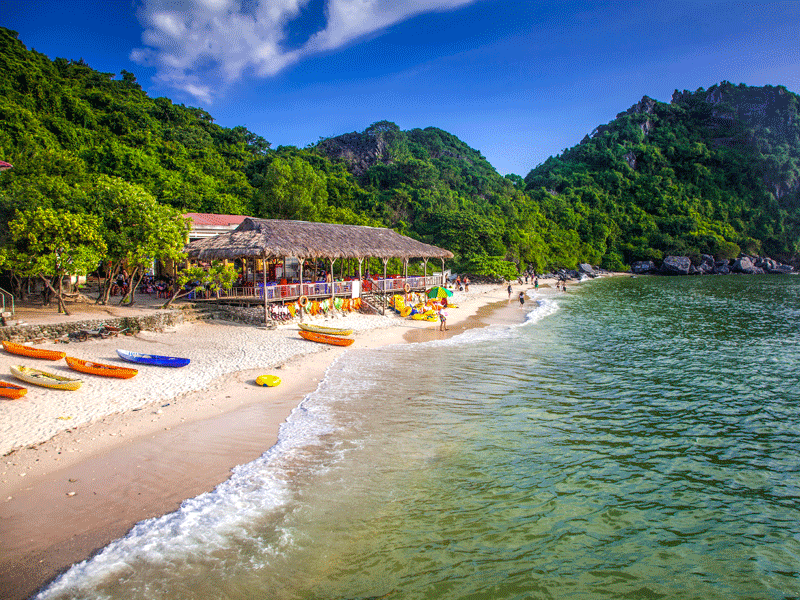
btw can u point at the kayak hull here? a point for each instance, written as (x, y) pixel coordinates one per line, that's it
(93, 368)
(325, 330)
(326, 339)
(31, 352)
(44, 378)
(153, 359)
(12, 391)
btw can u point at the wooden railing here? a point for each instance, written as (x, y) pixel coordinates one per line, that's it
(293, 291)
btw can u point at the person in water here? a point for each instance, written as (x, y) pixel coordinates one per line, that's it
(522, 299)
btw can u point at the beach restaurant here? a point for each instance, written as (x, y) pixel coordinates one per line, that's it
(284, 261)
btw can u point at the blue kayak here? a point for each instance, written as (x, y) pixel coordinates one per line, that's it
(152, 359)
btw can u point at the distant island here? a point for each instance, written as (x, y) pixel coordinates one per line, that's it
(714, 173)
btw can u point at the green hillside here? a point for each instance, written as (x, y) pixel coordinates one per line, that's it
(715, 171)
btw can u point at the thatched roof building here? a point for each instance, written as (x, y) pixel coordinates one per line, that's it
(270, 238)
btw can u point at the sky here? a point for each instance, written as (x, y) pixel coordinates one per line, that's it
(517, 80)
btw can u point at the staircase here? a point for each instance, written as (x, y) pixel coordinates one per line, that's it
(371, 304)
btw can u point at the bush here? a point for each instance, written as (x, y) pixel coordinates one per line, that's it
(612, 261)
(491, 266)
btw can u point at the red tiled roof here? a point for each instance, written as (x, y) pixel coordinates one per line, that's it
(210, 219)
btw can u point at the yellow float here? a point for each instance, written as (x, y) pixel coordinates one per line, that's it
(268, 380)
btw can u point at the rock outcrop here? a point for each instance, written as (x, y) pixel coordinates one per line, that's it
(676, 265)
(643, 266)
(682, 265)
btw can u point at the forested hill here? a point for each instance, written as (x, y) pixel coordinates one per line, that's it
(715, 171)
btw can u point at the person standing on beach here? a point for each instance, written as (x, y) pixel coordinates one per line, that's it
(536, 283)
(509, 292)
(466, 283)
(442, 319)
(522, 299)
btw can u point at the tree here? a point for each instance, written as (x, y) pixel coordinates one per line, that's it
(136, 228)
(218, 277)
(292, 189)
(50, 244)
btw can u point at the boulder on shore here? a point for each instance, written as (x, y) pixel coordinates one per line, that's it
(676, 265)
(721, 267)
(643, 266)
(706, 265)
(587, 269)
(744, 265)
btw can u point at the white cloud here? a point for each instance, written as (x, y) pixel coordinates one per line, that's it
(350, 19)
(199, 46)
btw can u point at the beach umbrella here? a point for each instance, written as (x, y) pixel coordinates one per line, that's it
(5, 166)
(438, 291)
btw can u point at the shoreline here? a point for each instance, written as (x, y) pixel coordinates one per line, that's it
(89, 485)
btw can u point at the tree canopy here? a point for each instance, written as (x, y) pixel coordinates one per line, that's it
(715, 171)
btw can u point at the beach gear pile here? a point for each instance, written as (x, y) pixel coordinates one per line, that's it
(288, 311)
(424, 309)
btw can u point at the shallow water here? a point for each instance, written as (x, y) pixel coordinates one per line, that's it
(636, 438)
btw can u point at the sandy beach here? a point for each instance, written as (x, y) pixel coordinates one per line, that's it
(80, 468)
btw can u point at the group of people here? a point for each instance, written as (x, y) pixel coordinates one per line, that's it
(462, 285)
(561, 284)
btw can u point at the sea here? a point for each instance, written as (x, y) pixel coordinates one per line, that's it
(633, 438)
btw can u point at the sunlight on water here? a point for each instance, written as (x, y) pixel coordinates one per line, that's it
(637, 438)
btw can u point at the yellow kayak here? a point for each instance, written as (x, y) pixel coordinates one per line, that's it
(326, 330)
(44, 378)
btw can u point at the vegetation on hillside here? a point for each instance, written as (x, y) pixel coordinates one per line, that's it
(716, 171)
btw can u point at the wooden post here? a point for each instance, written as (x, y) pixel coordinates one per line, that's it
(266, 304)
(333, 284)
(442, 272)
(383, 306)
(301, 286)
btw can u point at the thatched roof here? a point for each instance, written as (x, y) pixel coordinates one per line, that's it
(269, 238)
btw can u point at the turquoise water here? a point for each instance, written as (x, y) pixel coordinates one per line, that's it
(635, 438)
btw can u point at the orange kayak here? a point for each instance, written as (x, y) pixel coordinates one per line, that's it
(9, 390)
(33, 352)
(326, 339)
(93, 368)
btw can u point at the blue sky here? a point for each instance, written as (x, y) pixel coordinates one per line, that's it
(519, 81)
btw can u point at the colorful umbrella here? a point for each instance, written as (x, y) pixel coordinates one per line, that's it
(4, 165)
(439, 292)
